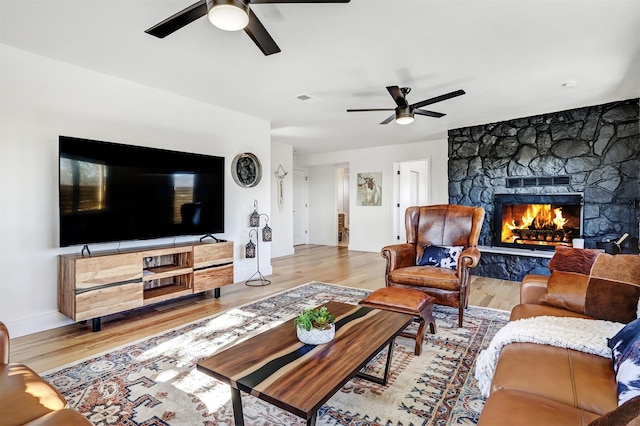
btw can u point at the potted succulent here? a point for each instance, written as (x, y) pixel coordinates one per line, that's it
(315, 326)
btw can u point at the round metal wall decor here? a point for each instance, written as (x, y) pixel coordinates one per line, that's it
(246, 170)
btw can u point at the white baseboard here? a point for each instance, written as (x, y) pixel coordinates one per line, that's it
(45, 321)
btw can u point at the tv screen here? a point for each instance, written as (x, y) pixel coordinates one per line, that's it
(112, 192)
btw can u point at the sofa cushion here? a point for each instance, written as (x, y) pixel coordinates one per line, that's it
(530, 310)
(625, 347)
(599, 285)
(25, 396)
(574, 378)
(513, 407)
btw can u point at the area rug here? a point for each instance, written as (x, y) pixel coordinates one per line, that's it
(155, 382)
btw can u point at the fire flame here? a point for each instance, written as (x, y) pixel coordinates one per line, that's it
(537, 216)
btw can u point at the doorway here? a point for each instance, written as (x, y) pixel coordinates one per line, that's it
(412, 189)
(300, 207)
(342, 205)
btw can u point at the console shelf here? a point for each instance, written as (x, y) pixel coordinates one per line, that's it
(90, 287)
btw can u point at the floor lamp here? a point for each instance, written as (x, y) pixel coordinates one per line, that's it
(253, 250)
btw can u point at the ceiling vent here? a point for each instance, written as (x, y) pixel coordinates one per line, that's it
(525, 182)
(308, 99)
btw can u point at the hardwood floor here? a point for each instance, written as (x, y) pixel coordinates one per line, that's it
(337, 265)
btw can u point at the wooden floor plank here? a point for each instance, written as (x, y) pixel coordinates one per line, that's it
(337, 265)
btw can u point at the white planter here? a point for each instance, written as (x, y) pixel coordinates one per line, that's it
(315, 336)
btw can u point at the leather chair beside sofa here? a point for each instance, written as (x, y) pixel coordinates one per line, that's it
(445, 225)
(26, 398)
(536, 384)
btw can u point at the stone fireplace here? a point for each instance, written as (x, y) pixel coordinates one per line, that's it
(592, 151)
(536, 221)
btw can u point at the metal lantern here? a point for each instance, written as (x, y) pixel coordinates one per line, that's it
(250, 250)
(254, 219)
(266, 233)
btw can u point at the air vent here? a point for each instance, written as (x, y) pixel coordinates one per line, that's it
(525, 182)
(308, 99)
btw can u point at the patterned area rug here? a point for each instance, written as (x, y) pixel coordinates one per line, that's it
(155, 382)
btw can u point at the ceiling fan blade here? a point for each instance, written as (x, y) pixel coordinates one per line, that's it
(260, 36)
(388, 119)
(179, 20)
(370, 109)
(438, 99)
(429, 113)
(397, 96)
(298, 1)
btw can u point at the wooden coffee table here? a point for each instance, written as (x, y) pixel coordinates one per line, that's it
(275, 367)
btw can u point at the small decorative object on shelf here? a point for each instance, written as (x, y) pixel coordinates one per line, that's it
(315, 326)
(253, 250)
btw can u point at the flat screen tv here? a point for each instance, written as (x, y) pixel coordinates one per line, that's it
(112, 192)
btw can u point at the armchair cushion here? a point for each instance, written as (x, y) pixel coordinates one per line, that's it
(596, 284)
(441, 256)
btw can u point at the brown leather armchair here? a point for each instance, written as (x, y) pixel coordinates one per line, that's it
(439, 225)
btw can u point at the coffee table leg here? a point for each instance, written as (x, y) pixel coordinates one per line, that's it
(236, 401)
(381, 381)
(312, 420)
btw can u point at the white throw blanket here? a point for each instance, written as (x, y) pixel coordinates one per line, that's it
(584, 335)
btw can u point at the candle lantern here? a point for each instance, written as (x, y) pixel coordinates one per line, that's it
(266, 233)
(250, 250)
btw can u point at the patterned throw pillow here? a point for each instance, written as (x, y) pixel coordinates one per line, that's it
(599, 285)
(441, 256)
(625, 347)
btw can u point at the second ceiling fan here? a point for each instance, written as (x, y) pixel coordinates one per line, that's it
(404, 112)
(229, 15)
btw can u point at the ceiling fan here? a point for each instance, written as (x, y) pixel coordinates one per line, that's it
(404, 112)
(229, 15)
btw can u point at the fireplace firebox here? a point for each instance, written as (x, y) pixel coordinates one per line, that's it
(537, 221)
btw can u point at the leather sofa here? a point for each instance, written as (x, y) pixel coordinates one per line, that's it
(536, 384)
(26, 398)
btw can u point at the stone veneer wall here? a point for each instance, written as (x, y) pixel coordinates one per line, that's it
(597, 146)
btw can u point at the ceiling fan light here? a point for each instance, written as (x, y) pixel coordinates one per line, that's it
(228, 15)
(404, 115)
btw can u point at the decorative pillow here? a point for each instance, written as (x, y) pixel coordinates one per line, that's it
(625, 347)
(441, 256)
(592, 283)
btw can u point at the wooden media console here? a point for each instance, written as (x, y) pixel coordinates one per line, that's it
(92, 286)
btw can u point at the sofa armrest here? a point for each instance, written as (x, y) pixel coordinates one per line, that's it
(4, 344)
(399, 256)
(533, 287)
(469, 257)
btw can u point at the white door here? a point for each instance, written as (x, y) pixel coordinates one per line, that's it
(412, 190)
(300, 207)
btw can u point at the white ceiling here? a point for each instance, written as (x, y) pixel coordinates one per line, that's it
(510, 56)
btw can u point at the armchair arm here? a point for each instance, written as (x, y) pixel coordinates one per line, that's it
(4, 344)
(469, 257)
(399, 256)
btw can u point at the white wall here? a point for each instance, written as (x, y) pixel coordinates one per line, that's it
(370, 227)
(41, 99)
(282, 220)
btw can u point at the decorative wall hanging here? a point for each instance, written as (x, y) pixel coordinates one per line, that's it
(280, 174)
(369, 189)
(246, 170)
(253, 250)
